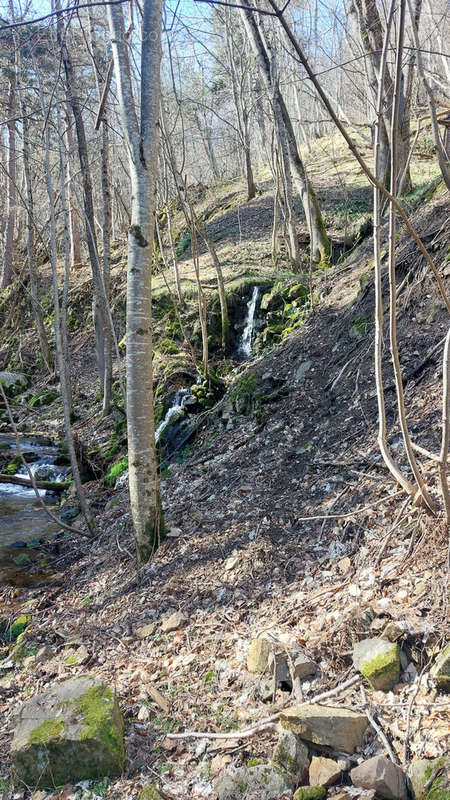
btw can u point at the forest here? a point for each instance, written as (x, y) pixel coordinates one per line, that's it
(224, 400)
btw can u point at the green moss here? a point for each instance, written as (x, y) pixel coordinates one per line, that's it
(13, 466)
(383, 671)
(43, 398)
(117, 469)
(94, 706)
(150, 793)
(254, 762)
(18, 626)
(440, 787)
(47, 731)
(310, 793)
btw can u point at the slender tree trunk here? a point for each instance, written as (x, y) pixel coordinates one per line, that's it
(74, 227)
(142, 143)
(35, 305)
(11, 191)
(320, 244)
(98, 303)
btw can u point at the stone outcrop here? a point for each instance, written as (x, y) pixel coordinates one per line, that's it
(291, 754)
(71, 732)
(339, 728)
(441, 670)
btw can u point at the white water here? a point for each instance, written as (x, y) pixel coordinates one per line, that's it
(245, 345)
(173, 413)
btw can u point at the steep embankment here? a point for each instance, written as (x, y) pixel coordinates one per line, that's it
(293, 438)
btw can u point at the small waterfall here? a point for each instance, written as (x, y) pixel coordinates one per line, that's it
(245, 345)
(174, 412)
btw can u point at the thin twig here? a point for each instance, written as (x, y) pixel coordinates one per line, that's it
(351, 513)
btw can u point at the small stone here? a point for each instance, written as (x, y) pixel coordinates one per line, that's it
(323, 771)
(393, 631)
(266, 781)
(381, 775)
(145, 630)
(291, 754)
(71, 732)
(76, 657)
(176, 621)
(218, 764)
(440, 671)
(336, 727)
(174, 533)
(310, 793)
(258, 655)
(379, 661)
(344, 565)
(231, 563)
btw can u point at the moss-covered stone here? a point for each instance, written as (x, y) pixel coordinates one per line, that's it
(151, 792)
(71, 732)
(19, 626)
(379, 661)
(310, 793)
(441, 670)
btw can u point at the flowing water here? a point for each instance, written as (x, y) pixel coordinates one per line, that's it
(176, 411)
(244, 349)
(23, 522)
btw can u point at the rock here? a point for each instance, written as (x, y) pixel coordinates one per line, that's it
(421, 770)
(344, 565)
(76, 656)
(71, 732)
(310, 793)
(323, 771)
(145, 630)
(441, 670)
(301, 370)
(381, 775)
(13, 380)
(264, 653)
(291, 754)
(258, 655)
(339, 728)
(18, 626)
(46, 472)
(393, 631)
(265, 780)
(176, 621)
(379, 661)
(151, 792)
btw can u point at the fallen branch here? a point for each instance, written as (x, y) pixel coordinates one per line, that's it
(377, 728)
(265, 723)
(51, 486)
(350, 513)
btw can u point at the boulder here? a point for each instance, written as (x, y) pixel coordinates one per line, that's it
(282, 651)
(422, 770)
(71, 732)
(382, 776)
(441, 670)
(265, 781)
(151, 792)
(339, 728)
(379, 661)
(291, 754)
(323, 771)
(310, 793)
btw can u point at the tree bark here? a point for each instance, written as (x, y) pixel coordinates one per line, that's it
(11, 192)
(142, 143)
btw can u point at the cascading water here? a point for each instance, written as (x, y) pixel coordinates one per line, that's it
(175, 411)
(245, 345)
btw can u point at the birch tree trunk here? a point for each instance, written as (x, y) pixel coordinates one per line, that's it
(142, 143)
(8, 250)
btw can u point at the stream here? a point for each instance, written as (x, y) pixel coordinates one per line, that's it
(23, 522)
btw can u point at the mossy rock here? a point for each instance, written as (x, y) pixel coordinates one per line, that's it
(115, 471)
(441, 670)
(421, 772)
(18, 626)
(151, 792)
(310, 793)
(69, 733)
(379, 661)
